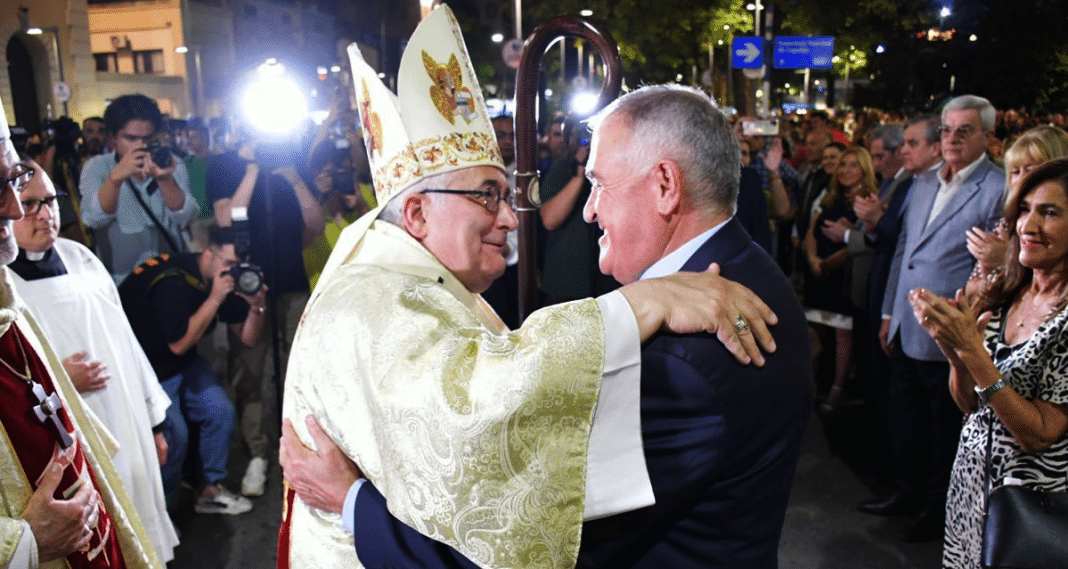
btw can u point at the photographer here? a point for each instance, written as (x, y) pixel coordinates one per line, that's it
(173, 301)
(283, 218)
(571, 250)
(137, 199)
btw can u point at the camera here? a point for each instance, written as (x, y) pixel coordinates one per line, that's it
(248, 278)
(160, 154)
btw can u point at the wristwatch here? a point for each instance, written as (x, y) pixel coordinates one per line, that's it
(984, 393)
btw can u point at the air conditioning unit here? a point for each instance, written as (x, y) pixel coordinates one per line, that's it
(120, 42)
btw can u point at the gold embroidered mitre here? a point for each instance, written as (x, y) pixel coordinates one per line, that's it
(437, 122)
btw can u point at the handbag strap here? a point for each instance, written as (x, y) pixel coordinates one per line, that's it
(989, 462)
(166, 234)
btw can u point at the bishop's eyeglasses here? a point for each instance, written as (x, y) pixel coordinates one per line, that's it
(489, 199)
(19, 179)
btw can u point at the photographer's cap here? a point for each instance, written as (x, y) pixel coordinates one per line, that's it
(438, 121)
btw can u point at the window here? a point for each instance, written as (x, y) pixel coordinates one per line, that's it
(148, 62)
(107, 62)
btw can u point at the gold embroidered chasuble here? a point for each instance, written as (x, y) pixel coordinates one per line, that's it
(475, 435)
(98, 446)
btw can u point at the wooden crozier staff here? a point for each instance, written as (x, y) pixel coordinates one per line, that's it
(526, 144)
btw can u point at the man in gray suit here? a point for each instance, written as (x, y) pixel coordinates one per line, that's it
(932, 253)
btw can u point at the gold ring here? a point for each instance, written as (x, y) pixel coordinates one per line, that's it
(741, 325)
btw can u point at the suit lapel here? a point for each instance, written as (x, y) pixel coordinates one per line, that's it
(967, 191)
(888, 195)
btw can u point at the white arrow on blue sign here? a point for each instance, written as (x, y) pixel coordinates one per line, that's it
(747, 52)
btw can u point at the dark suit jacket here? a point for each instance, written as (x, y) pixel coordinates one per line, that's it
(884, 243)
(721, 444)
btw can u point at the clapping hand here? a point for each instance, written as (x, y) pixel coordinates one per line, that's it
(952, 323)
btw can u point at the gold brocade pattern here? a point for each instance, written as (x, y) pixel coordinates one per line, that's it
(99, 446)
(476, 436)
(433, 156)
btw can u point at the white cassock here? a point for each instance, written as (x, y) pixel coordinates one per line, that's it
(81, 311)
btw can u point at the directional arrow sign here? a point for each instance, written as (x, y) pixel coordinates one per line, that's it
(747, 53)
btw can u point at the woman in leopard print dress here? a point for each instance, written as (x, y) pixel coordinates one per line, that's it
(1017, 357)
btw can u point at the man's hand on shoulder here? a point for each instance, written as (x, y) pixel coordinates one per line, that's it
(687, 302)
(322, 477)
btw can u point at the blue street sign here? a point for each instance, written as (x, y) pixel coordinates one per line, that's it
(804, 53)
(747, 53)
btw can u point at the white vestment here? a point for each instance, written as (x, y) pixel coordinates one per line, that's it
(81, 311)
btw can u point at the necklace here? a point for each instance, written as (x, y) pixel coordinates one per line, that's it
(27, 377)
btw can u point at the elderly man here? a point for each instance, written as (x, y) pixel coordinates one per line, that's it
(79, 309)
(62, 504)
(719, 498)
(932, 253)
(497, 443)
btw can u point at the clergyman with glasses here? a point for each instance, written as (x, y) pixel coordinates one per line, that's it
(137, 202)
(414, 377)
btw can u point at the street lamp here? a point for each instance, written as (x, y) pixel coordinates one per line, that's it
(198, 75)
(497, 37)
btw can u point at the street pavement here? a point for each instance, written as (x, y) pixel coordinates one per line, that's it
(823, 529)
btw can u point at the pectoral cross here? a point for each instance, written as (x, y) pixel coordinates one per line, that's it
(48, 409)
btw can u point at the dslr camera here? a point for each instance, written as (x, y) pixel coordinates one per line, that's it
(161, 154)
(248, 278)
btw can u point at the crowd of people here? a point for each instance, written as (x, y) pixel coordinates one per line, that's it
(917, 264)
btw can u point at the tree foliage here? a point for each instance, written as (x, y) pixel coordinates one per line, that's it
(661, 39)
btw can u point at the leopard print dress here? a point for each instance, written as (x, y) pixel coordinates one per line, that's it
(1036, 369)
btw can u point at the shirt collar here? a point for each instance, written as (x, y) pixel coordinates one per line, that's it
(674, 261)
(963, 174)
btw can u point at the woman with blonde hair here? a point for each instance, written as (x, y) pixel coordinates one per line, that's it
(1033, 148)
(854, 177)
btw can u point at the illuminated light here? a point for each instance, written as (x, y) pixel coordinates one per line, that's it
(586, 13)
(945, 12)
(320, 70)
(382, 75)
(35, 31)
(548, 93)
(726, 27)
(880, 49)
(271, 61)
(273, 102)
(973, 37)
(720, 42)
(787, 85)
(583, 103)
(181, 49)
(678, 78)
(750, 6)
(335, 69)
(836, 59)
(760, 93)
(497, 37)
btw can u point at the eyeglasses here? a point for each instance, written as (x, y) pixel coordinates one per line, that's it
(490, 199)
(31, 208)
(963, 132)
(19, 180)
